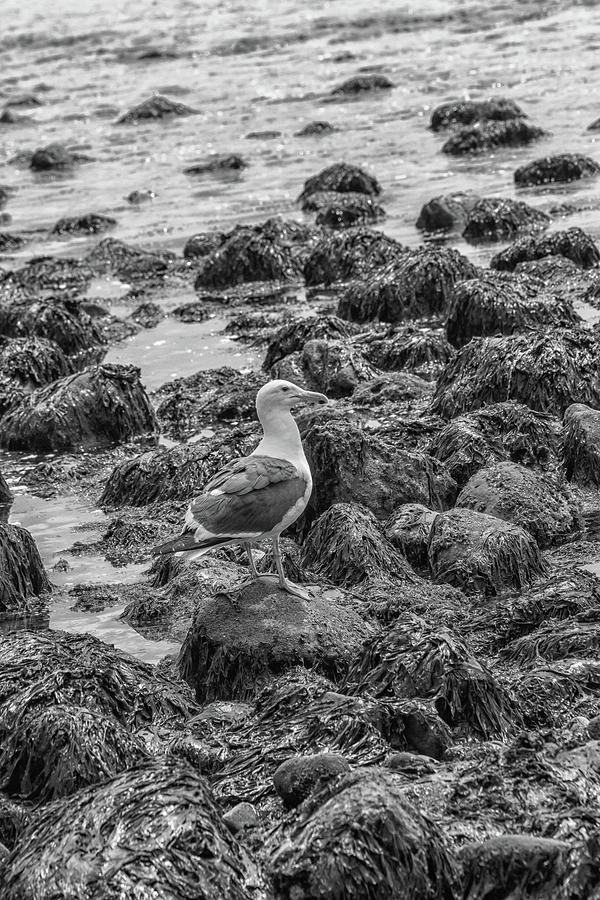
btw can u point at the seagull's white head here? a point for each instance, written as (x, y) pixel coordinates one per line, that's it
(278, 396)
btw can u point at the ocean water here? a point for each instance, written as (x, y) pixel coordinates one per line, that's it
(257, 66)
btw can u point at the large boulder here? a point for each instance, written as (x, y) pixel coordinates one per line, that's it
(22, 573)
(502, 219)
(423, 351)
(573, 244)
(465, 112)
(485, 136)
(417, 284)
(533, 500)
(236, 641)
(57, 319)
(562, 167)
(359, 837)
(349, 253)
(32, 362)
(496, 304)
(294, 335)
(349, 209)
(98, 407)
(480, 553)
(446, 212)
(342, 178)
(582, 444)
(250, 253)
(546, 371)
(177, 843)
(156, 107)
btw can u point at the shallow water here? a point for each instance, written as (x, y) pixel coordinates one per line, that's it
(258, 66)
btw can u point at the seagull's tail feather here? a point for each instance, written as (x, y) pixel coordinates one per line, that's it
(187, 541)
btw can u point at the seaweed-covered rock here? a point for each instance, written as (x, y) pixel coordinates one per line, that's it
(349, 253)
(409, 528)
(480, 553)
(566, 640)
(360, 84)
(546, 371)
(492, 304)
(211, 397)
(218, 162)
(56, 156)
(62, 321)
(573, 244)
(410, 659)
(231, 647)
(177, 843)
(334, 367)
(156, 107)
(148, 314)
(501, 219)
(250, 253)
(496, 433)
(562, 167)
(488, 135)
(202, 244)
(98, 407)
(423, 351)
(92, 223)
(22, 573)
(10, 242)
(350, 209)
(315, 129)
(53, 752)
(535, 501)
(447, 211)
(359, 837)
(32, 361)
(350, 465)
(465, 112)
(6, 496)
(582, 444)
(294, 335)
(124, 261)
(346, 545)
(417, 284)
(43, 274)
(299, 776)
(342, 178)
(390, 389)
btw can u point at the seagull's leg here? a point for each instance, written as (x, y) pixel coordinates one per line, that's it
(253, 573)
(284, 584)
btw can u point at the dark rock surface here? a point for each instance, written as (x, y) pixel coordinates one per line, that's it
(92, 223)
(219, 162)
(349, 253)
(202, 244)
(61, 321)
(409, 528)
(22, 574)
(573, 244)
(360, 84)
(447, 211)
(127, 262)
(250, 253)
(293, 336)
(299, 776)
(488, 135)
(56, 157)
(350, 209)
(315, 129)
(465, 112)
(563, 167)
(582, 444)
(340, 177)
(500, 219)
(423, 351)
(157, 107)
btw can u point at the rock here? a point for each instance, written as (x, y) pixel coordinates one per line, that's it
(203, 244)
(582, 444)
(361, 84)
(409, 528)
(315, 129)
(54, 858)
(562, 167)
(407, 347)
(219, 162)
(32, 362)
(126, 262)
(10, 242)
(446, 212)
(56, 156)
(556, 640)
(52, 752)
(299, 776)
(196, 311)
(350, 465)
(294, 335)
(573, 244)
(390, 850)
(411, 659)
(346, 545)
(215, 396)
(157, 107)
(480, 553)
(518, 864)
(392, 388)
(348, 254)
(241, 817)
(22, 573)
(250, 253)
(492, 304)
(233, 646)
(98, 407)
(262, 135)
(496, 433)
(53, 319)
(5, 495)
(417, 284)
(546, 371)
(334, 368)
(138, 197)
(535, 501)
(489, 135)
(8, 117)
(89, 224)
(23, 100)
(148, 315)
(465, 112)
(350, 209)
(49, 273)
(342, 178)
(501, 219)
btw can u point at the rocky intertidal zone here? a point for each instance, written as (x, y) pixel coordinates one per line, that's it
(427, 725)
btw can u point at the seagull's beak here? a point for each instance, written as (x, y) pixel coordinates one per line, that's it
(312, 398)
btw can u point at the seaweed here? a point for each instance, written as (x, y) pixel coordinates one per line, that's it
(485, 136)
(581, 448)
(408, 347)
(127, 262)
(501, 219)
(203, 244)
(349, 209)
(32, 362)
(60, 320)
(294, 335)
(465, 112)
(92, 223)
(249, 253)
(22, 573)
(342, 178)
(561, 167)
(573, 244)
(556, 640)
(359, 84)
(349, 253)
(409, 528)
(335, 368)
(50, 274)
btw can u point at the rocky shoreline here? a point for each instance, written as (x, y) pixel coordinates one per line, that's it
(428, 725)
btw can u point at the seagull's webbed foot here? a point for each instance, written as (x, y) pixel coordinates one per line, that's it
(296, 590)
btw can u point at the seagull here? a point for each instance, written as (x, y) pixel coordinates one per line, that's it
(256, 497)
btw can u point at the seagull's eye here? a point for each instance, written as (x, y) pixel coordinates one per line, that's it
(285, 389)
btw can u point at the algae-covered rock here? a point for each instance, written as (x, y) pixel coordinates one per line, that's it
(56, 157)
(447, 211)
(334, 367)
(486, 136)
(349, 209)
(50, 273)
(502, 219)
(349, 253)
(359, 837)
(233, 644)
(342, 178)
(535, 501)
(409, 528)
(98, 407)
(299, 776)
(127, 262)
(207, 398)
(92, 223)
(390, 389)
(202, 244)
(422, 351)
(562, 167)
(546, 371)
(582, 444)
(22, 573)
(32, 362)
(315, 129)
(360, 84)
(556, 640)
(495, 304)
(57, 319)
(294, 335)
(156, 107)
(418, 284)
(465, 112)
(346, 545)
(6, 496)
(217, 163)
(248, 254)
(177, 843)
(574, 244)
(480, 553)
